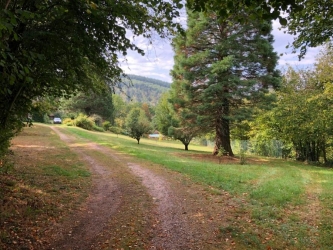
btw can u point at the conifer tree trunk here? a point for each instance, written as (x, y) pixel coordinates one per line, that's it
(222, 139)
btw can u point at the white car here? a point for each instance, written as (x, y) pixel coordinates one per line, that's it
(56, 120)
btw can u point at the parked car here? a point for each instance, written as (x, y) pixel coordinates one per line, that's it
(56, 120)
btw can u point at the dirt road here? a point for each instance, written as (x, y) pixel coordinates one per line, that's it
(134, 205)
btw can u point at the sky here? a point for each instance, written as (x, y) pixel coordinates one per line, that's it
(158, 59)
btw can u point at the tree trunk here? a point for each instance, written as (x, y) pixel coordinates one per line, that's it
(300, 154)
(323, 148)
(222, 140)
(186, 146)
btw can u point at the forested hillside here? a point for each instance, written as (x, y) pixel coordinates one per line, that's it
(142, 89)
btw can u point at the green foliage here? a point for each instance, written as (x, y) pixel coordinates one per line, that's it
(265, 10)
(120, 111)
(116, 130)
(302, 116)
(97, 119)
(308, 21)
(97, 128)
(218, 82)
(169, 123)
(55, 49)
(69, 122)
(137, 123)
(165, 115)
(312, 25)
(91, 103)
(106, 125)
(84, 122)
(46, 119)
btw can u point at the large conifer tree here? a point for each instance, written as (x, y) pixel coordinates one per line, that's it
(221, 69)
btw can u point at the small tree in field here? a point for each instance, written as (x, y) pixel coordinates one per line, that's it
(137, 124)
(170, 124)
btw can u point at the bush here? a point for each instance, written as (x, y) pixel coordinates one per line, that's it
(84, 122)
(116, 130)
(97, 119)
(106, 125)
(99, 129)
(68, 122)
(46, 119)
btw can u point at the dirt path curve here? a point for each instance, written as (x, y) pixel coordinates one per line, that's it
(135, 207)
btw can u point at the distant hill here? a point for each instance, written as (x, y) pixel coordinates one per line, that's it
(143, 89)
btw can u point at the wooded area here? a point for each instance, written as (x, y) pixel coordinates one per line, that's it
(60, 58)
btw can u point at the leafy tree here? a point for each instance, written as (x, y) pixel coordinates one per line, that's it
(221, 70)
(169, 124)
(310, 21)
(149, 111)
(137, 123)
(303, 114)
(92, 103)
(165, 116)
(54, 48)
(120, 111)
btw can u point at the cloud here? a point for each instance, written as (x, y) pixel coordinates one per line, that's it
(158, 59)
(156, 63)
(287, 57)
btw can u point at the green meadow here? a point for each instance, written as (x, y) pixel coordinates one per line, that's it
(279, 204)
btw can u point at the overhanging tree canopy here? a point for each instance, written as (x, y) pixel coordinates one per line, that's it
(310, 21)
(58, 47)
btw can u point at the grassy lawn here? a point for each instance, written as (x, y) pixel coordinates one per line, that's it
(275, 204)
(278, 204)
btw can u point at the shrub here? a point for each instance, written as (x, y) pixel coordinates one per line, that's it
(106, 125)
(68, 122)
(97, 119)
(116, 130)
(84, 122)
(46, 119)
(97, 128)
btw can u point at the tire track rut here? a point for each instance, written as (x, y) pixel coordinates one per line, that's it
(169, 230)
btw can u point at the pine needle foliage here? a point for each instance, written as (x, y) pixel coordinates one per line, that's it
(222, 71)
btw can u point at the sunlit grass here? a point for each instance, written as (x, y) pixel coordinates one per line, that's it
(272, 194)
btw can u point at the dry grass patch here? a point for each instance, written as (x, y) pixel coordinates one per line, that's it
(45, 182)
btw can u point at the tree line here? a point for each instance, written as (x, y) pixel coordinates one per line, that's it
(224, 74)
